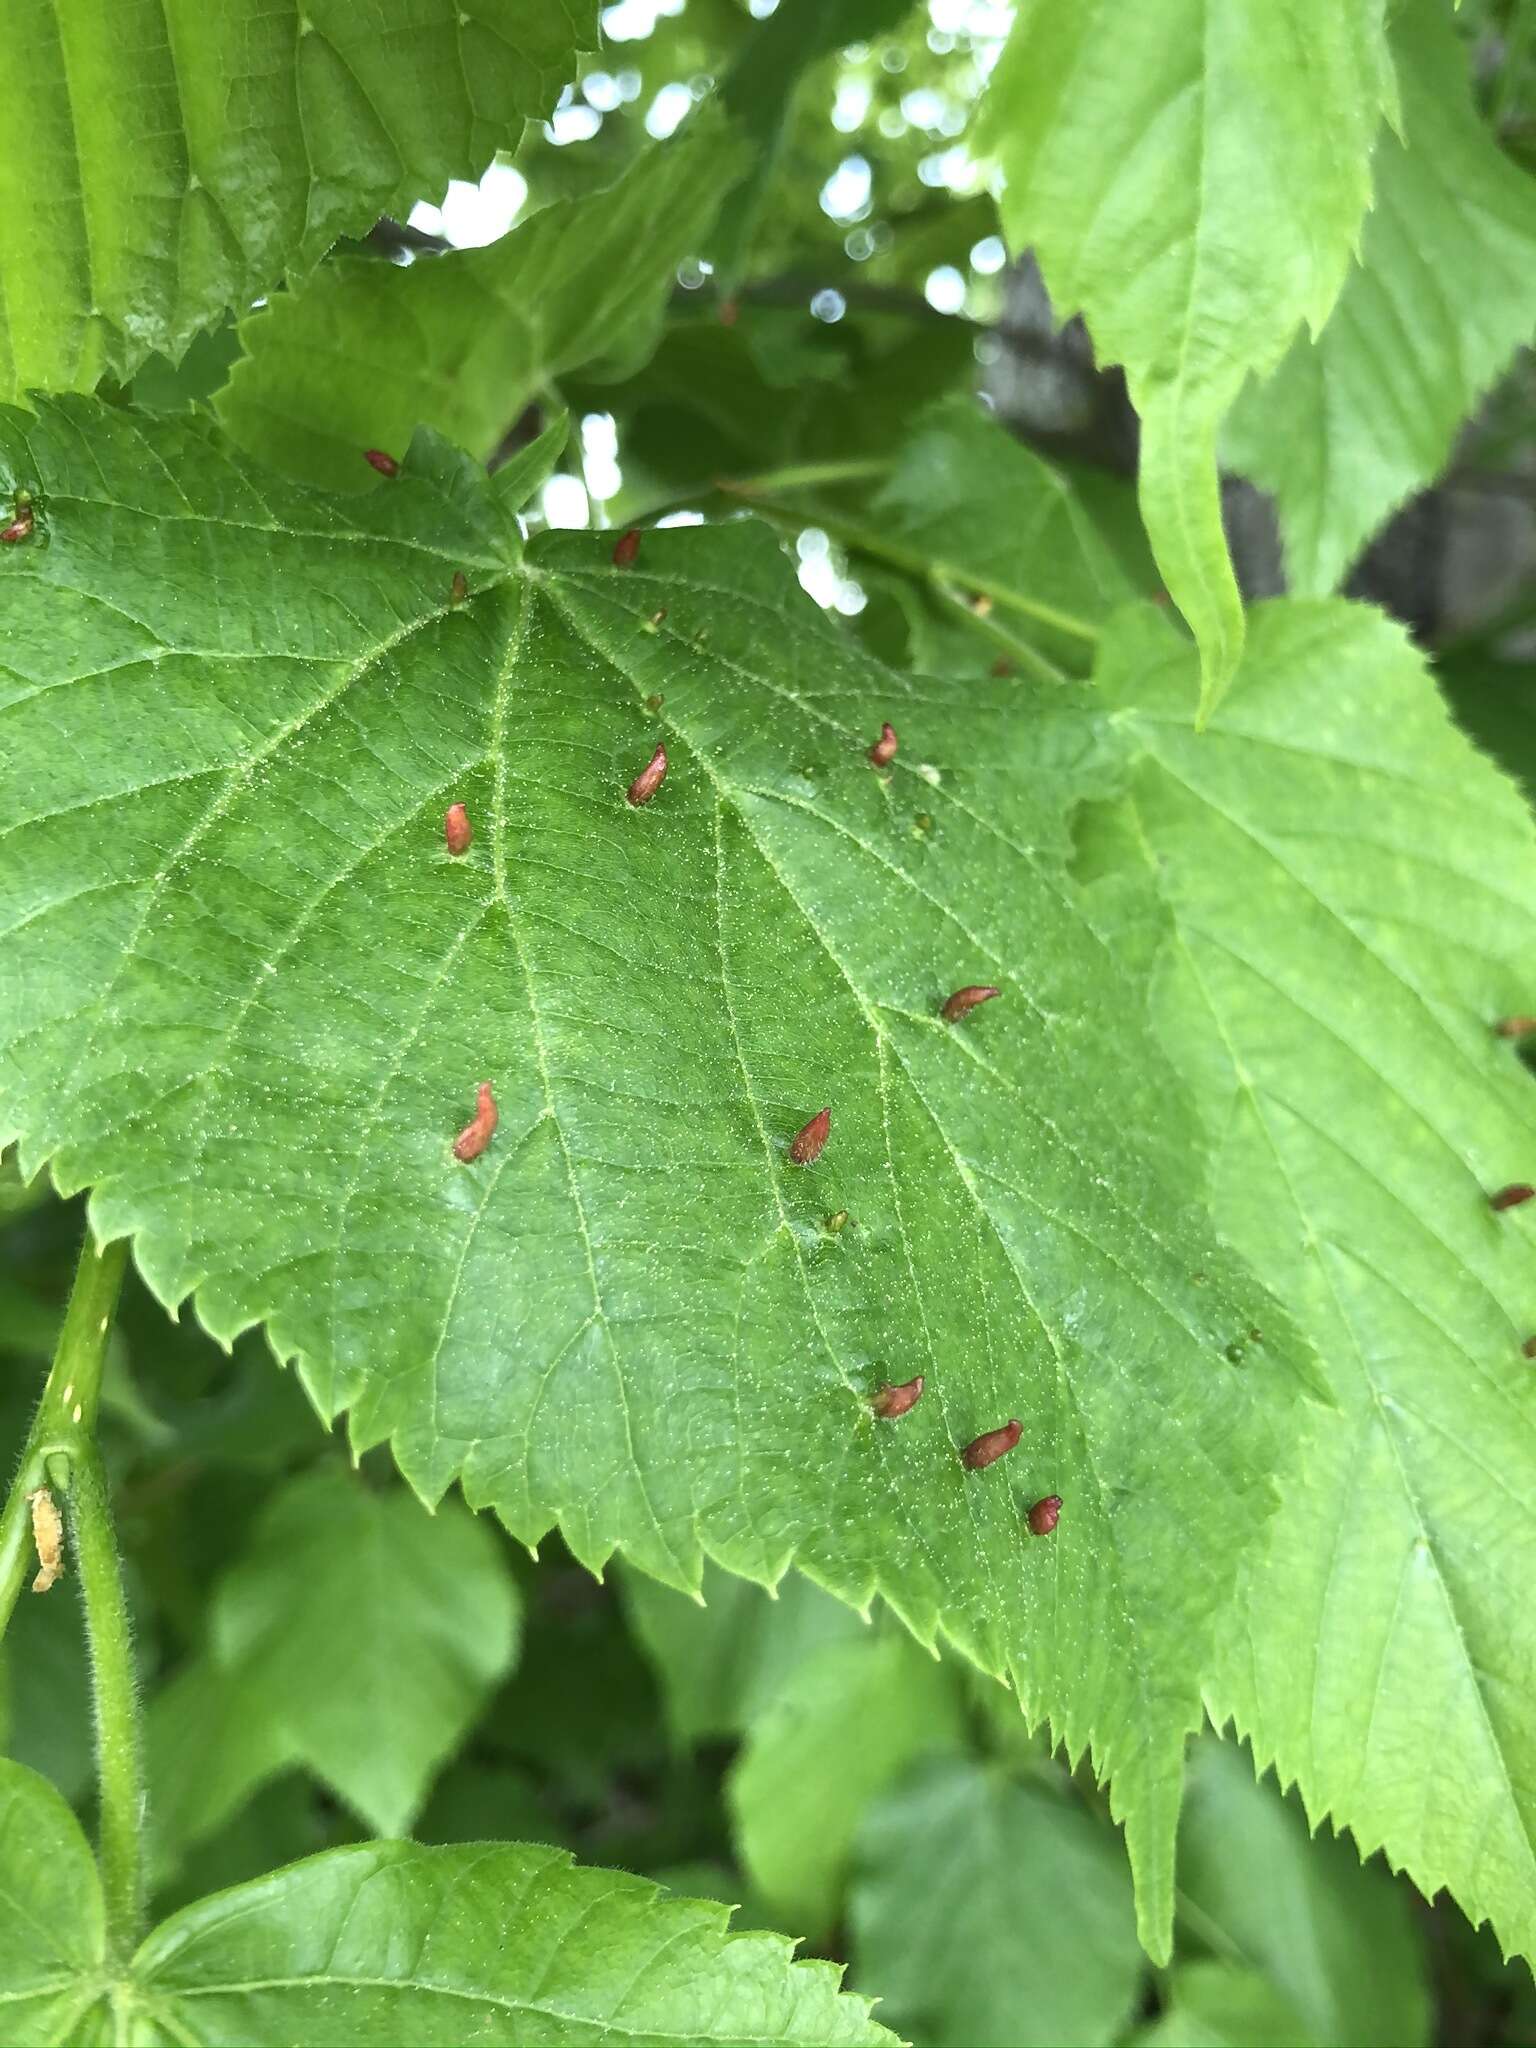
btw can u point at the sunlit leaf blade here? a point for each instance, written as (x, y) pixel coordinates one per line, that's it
(163, 163)
(1192, 179)
(1443, 294)
(52, 1936)
(249, 997)
(990, 1910)
(1351, 886)
(462, 342)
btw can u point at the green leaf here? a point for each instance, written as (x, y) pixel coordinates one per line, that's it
(388, 1941)
(365, 352)
(1350, 886)
(249, 998)
(358, 1636)
(1334, 1937)
(52, 1928)
(1192, 178)
(989, 1910)
(176, 166)
(840, 1728)
(720, 1660)
(1222, 2005)
(1443, 294)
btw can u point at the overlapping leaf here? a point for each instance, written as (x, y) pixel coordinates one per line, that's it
(249, 998)
(1442, 295)
(364, 352)
(162, 164)
(389, 1942)
(1192, 178)
(1351, 886)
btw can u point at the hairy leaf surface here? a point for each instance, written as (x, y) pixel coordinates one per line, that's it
(249, 998)
(1442, 295)
(1350, 886)
(166, 161)
(1192, 178)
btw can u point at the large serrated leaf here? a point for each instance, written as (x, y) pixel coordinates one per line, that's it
(1192, 178)
(1443, 294)
(1350, 887)
(249, 997)
(166, 162)
(493, 1942)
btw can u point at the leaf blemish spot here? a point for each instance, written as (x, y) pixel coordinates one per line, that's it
(891, 1401)
(1044, 1515)
(884, 750)
(458, 590)
(655, 701)
(386, 465)
(649, 780)
(1515, 1027)
(991, 1445)
(457, 830)
(1528, 1348)
(1511, 1197)
(476, 1134)
(964, 1000)
(834, 1223)
(805, 1146)
(626, 547)
(654, 621)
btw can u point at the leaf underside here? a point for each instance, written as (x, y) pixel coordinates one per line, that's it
(250, 998)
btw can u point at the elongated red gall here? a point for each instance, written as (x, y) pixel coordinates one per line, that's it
(458, 590)
(893, 1401)
(1528, 1348)
(1511, 1197)
(19, 528)
(457, 829)
(805, 1146)
(1044, 1514)
(991, 1445)
(476, 1134)
(884, 749)
(1515, 1027)
(650, 778)
(626, 547)
(386, 465)
(964, 1000)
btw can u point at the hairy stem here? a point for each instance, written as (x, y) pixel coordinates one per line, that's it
(119, 1764)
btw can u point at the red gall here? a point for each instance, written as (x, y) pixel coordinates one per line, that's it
(20, 528)
(1515, 1027)
(1044, 1514)
(1512, 1196)
(457, 829)
(386, 465)
(991, 1445)
(805, 1146)
(893, 1401)
(884, 750)
(964, 1000)
(476, 1134)
(626, 547)
(458, 590)
(650, 778)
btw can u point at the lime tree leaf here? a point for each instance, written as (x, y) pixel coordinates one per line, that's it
(175, 167)
(1334, 1937)
(1223, 2005)
(720, 1660)
(986, 1909)
(52, 1927)
(842, 1726)
(249, 999)
(1443, 294)
(1192, 179)
(365, 352)
(1350, 887)
(358, 1636)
